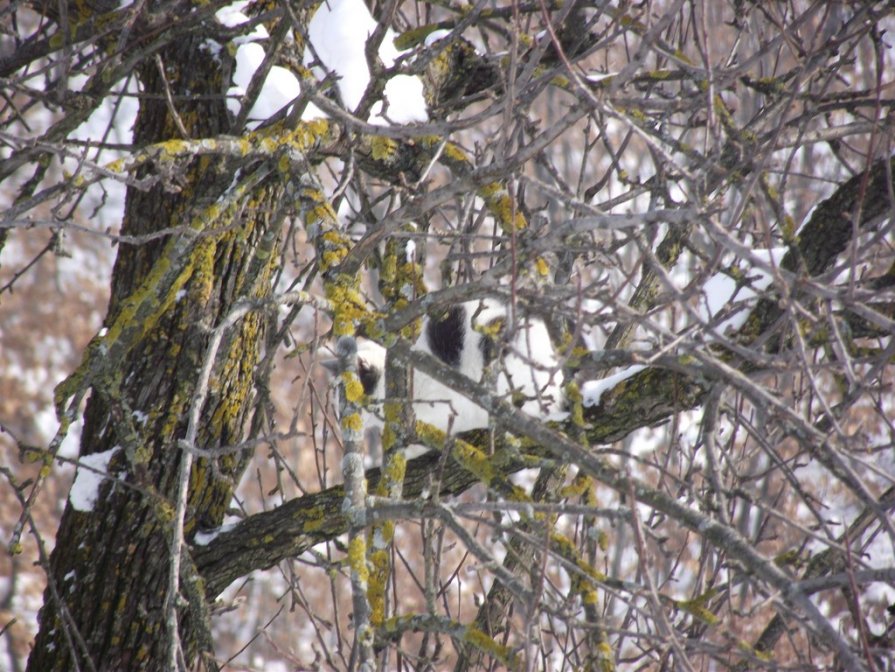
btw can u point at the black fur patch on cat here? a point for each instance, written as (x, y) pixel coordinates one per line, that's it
(445, 336)
(369, 376)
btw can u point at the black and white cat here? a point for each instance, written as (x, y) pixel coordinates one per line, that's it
(468, 339)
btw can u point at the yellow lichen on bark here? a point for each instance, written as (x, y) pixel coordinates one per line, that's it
(502, 206)
(357, 559)
(484, 643)
(354, 390)
(348, 304)
(352, 422)
(383, 148)
(474, 460)
(379, 573)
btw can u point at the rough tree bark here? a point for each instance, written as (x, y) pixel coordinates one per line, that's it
(104, 607)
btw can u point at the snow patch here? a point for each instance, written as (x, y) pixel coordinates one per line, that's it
(436, 35)
(205, 538)
(233, 16)
(280, 87)
(338, 32)
(595, 76)
(592, 390)
(90, 474)
(720, 291)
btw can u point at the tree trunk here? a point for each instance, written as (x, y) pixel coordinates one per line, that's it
(109, 570)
